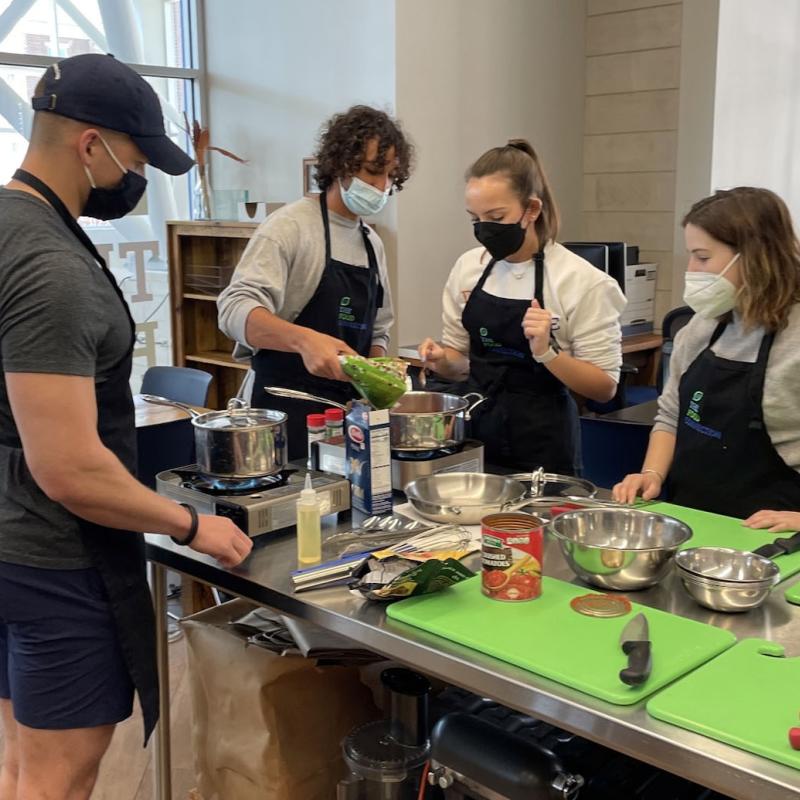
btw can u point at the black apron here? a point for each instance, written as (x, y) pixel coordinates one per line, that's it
(530, 419)
(118, 555)
(724, 459)
(344, 305)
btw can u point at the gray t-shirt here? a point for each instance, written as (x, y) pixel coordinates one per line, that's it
(60, 315)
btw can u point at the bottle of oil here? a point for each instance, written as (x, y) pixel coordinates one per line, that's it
(309, 533)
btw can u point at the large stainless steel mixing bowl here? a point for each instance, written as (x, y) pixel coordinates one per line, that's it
(619, 548)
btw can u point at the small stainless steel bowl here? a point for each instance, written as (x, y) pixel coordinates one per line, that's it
(724, 579)
(619, 548)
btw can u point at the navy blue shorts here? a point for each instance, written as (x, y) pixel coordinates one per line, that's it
(60, 659)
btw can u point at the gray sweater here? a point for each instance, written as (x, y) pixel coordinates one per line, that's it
(282, 267)
(781, 385)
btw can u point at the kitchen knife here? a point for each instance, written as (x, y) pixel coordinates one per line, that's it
(635, 642)
(780, 547)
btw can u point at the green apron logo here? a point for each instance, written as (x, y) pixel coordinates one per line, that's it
(345, 311)
(487, 340)
(693, 412)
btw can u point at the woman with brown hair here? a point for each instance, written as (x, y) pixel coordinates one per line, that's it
(525, 320)
(728, 426)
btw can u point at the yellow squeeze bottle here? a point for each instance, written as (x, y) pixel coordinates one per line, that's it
(309, 533)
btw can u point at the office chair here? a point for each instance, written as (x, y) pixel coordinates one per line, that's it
(171, 444)
(183, 384)
(673, 321)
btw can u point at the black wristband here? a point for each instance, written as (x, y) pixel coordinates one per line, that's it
(192, 527)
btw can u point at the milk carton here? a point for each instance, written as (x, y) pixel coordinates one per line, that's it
(369, 466)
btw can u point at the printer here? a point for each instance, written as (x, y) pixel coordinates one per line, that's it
(637, 281)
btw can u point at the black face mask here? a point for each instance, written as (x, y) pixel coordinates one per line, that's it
(117, 202)
(501, 239)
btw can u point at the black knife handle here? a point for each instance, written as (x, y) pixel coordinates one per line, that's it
(639, 663)
(790, 545)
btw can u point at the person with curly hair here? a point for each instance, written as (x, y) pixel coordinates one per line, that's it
(312, 283)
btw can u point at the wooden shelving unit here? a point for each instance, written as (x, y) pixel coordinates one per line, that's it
(202, 257)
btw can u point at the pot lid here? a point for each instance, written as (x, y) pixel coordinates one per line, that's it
(239, 415)
(550, 484)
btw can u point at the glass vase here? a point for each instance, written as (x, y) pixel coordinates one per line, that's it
(201, 195)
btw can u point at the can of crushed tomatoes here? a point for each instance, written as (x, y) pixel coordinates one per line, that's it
(511, 555)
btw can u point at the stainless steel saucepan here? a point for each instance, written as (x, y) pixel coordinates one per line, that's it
(419, 421)
(239, 442)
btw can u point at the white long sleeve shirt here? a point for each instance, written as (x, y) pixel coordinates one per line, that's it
(587, 301)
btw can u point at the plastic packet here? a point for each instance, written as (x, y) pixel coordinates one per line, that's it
(426, 578)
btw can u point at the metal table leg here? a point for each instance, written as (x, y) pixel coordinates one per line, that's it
(161, 735)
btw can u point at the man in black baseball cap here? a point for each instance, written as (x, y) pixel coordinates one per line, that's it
(102, 91)
(77, 632)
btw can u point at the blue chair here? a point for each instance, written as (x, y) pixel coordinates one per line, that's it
(183, 384)
(163, 447)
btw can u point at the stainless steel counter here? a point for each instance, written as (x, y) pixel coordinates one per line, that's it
(264, 579)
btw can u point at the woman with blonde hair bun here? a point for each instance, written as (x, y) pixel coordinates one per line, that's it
(728, 426)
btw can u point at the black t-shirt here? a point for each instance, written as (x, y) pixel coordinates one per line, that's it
(59, 315)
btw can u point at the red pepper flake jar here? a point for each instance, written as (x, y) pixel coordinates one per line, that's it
(511, 554)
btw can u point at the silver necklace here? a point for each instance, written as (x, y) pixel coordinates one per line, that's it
(519, 275)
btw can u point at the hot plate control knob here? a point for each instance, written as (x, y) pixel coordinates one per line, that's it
(446, 780)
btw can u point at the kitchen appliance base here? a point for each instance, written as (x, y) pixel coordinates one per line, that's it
(256, 507)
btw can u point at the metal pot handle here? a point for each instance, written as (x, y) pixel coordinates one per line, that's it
(163, 401)
(236, 403)
(295, 394)
(473, 406)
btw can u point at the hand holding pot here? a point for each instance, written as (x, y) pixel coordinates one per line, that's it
(320, 354)
(220, 538)
(536, 325)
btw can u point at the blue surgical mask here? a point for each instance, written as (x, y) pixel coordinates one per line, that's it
(362, 199)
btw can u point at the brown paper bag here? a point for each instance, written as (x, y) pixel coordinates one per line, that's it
(266, 727)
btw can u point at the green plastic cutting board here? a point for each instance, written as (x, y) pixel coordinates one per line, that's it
(715, 530)
(793, 594)
(547, 637)
(746, 697)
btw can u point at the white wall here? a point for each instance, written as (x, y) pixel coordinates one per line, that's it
(757, 108)
(698, 81)
(278, 70)
(462, 75)
(470, 75)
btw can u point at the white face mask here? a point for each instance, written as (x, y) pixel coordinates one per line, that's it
(710, 294)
